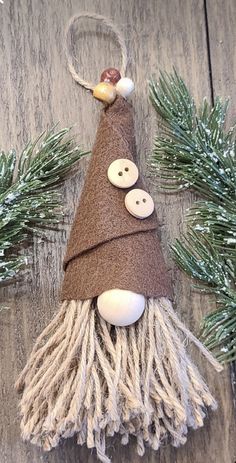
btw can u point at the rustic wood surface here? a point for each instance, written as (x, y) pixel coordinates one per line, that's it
(36, 90)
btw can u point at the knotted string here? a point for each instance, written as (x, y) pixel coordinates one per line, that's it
(111, 26)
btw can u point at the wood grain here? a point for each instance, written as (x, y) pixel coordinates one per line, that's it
(222, 41)
(36, 91)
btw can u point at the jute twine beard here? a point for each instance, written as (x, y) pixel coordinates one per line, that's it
(113, 361)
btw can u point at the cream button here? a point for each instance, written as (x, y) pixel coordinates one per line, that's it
(122, 173)
(139, 203)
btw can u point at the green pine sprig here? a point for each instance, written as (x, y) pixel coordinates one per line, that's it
(29, 200)
(195, 151)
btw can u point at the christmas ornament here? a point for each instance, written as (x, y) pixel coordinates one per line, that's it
(112, 361)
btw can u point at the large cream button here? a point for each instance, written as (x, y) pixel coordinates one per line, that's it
(139, 203)
(122, 173)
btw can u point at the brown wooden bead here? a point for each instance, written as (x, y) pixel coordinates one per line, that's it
(110, 75)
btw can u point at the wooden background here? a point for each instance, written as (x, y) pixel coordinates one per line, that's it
(36, 90)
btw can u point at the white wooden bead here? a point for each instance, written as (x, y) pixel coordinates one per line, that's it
(124, 87)
(139, 203)
(122, 173)
(120, 307)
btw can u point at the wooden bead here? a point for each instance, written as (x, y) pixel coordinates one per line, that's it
(105, 92)
(120, 307)
(124, 87)
(110, 75)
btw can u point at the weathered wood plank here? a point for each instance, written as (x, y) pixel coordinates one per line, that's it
(36, 91)
(222, 45)
(222, 41)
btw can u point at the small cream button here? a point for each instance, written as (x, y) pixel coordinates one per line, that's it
(122, 173)
(139, 203)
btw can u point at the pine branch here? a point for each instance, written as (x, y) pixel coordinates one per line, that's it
(219, 327)
(194, 150)
(201, 261)
(218, 223)
(29, 201)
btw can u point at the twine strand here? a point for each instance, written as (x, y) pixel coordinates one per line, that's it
(112, 381)
(112, 28)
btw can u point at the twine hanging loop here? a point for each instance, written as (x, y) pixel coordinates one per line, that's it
(111, 26)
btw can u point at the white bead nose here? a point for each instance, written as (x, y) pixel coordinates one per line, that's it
(120, 307)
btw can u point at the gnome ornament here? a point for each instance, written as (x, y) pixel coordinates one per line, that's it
(113, 361)
(113, 253)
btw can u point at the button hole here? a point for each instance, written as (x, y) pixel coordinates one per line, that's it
(120, 173)
(126, 169)
(137, 202)
(144, 200)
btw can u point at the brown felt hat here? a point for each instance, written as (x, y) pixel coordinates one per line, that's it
(108, 247)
